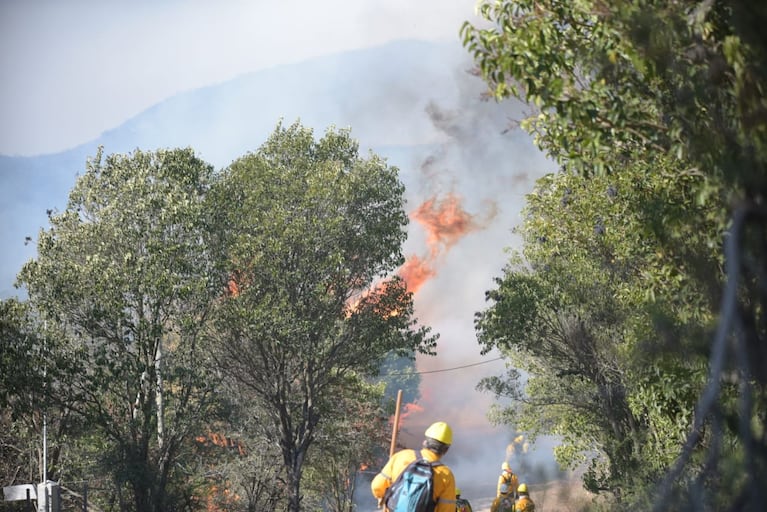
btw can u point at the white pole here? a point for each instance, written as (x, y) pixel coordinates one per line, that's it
(45, 448)
(45, 416)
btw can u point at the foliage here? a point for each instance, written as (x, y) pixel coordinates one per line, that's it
(666, 98)
(574, 315)
(348, 439)
(311, 230)
(124, 279)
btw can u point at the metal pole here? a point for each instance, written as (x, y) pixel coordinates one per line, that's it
(45, 448)
(45, 416)
(395, 428)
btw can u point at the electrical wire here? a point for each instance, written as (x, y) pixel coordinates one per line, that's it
(395, 374)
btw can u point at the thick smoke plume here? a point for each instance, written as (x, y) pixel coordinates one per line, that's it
(467, 193)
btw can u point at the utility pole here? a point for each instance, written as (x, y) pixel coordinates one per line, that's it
(395, 427)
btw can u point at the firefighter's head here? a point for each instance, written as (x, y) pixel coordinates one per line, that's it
(505, 467)
(522, 489)
(439, 437)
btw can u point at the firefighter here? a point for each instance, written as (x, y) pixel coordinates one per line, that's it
(461, 504)
(507, 477)
(437, 440)
(504, 502)
(523, 503)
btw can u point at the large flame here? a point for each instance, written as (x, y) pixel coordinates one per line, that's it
(445, 221)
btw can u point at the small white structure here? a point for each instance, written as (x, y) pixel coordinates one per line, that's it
(47, 495)
(20, 492)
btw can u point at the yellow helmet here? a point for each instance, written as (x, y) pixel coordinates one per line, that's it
(505, 467)
(440, 431)
(522, 488)
(457, 491)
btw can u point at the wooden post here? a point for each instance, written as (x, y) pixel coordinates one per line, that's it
(396, 424)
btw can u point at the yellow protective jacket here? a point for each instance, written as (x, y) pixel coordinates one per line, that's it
(444, 481)
(503, 503)
(524, 504)
(462, 505)
(509, 478)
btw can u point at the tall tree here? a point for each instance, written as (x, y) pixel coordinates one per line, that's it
(619, 86)
(313, 232)
(125, 277)
(22, 384)
(576, 314)
(347, 441)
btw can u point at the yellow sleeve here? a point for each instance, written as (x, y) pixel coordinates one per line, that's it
(382, 480)
(445, 492)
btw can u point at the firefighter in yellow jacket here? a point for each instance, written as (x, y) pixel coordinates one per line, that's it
(523, 503)
(507, 477)
(437, 439)
(504, 502)
(461, 504)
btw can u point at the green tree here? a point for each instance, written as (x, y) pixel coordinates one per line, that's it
(576, 315)
(670, 94)
(22, 381)
(348, 440)
(125, 278)
(313, 232)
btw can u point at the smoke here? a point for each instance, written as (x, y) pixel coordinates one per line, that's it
(465, 194)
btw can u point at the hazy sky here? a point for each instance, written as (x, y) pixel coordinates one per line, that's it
(73, 69)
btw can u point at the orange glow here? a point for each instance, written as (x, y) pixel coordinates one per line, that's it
(410, 409)
(407, 410)
(415, 272)
(221, 441)
(219, 496)
(234, 288)
(445, 221)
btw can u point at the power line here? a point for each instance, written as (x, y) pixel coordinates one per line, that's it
(445, 369)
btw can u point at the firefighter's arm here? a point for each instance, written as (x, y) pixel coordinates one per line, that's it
(446, 501)
(381, 482)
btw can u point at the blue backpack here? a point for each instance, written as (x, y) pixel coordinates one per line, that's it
(413, 490)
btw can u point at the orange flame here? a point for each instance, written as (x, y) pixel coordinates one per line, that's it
(445, 220)
(415, 272)
(409, 409)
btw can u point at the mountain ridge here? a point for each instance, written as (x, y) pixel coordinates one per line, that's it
(380, 93)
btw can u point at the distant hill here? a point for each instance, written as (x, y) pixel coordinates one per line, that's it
(398, 100)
